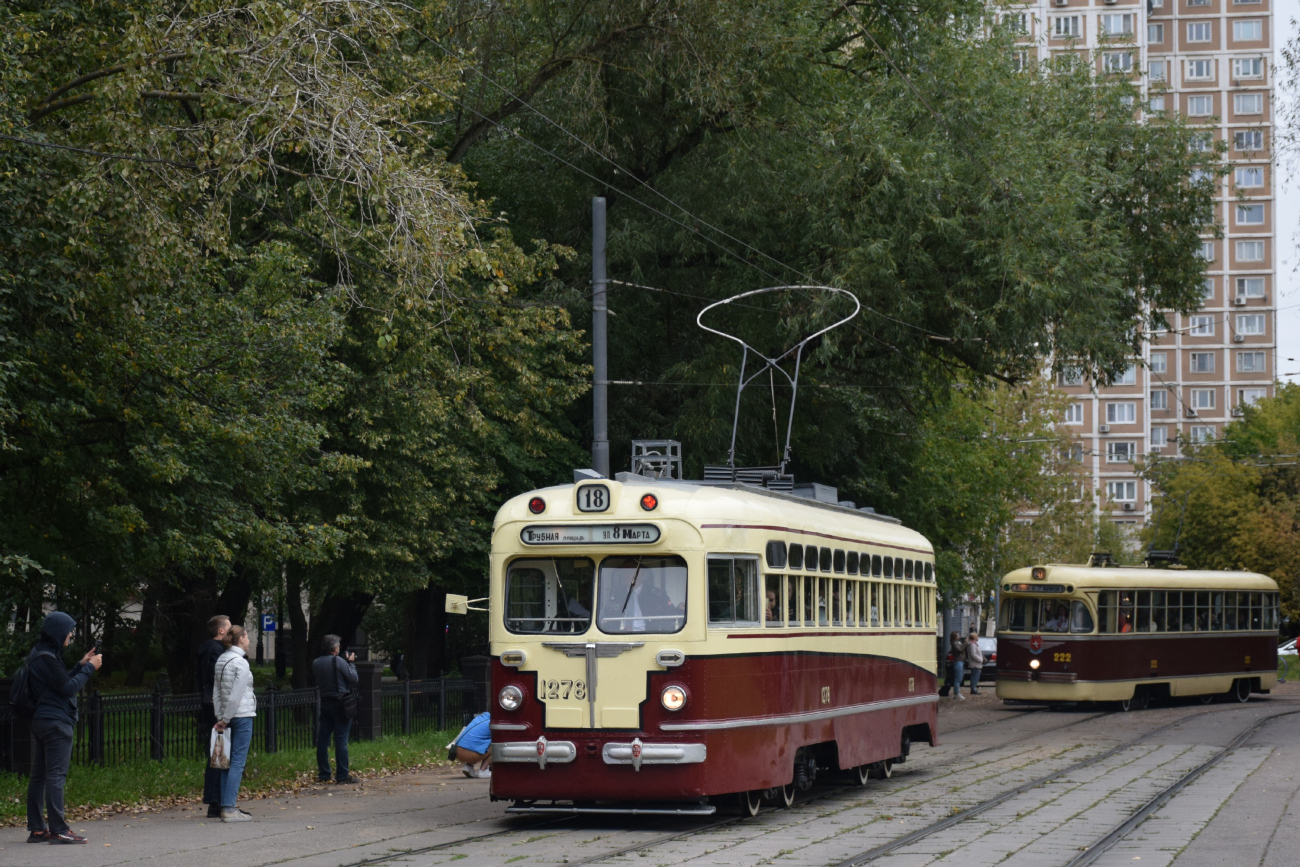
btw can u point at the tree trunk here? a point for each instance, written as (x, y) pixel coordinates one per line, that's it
(143, 638)
(416, 653)
(338, 614)
(298, 622)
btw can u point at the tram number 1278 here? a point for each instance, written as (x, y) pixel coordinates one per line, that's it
(563, 689)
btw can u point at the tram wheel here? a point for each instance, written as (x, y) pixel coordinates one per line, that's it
(863, 773)
(1139, 700)
(1241, 690)
(883, 770)
(750, 802)
(787, 795)
(1208, 698)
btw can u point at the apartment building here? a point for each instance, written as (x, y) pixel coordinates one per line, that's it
(1212, 62)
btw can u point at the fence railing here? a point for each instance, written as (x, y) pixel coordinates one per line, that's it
(117, 728)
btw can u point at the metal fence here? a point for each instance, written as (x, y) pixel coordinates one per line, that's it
(413, 706)
(118, 728)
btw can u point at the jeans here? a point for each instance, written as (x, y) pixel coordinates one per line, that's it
(958, 669)
(241, 736)
(975, 680)
(51, 755)
(332, 723)
(211, 775)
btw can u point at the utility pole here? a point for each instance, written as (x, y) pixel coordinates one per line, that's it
(599, 368)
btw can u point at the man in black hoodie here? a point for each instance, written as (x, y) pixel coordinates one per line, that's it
(205, 665)
(53, 724)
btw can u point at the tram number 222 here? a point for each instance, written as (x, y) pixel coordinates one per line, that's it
(1061, 657)
(562, 689)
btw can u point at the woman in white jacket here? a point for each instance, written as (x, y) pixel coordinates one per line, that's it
(235, 706)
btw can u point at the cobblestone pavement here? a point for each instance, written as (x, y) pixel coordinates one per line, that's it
(1243, 810)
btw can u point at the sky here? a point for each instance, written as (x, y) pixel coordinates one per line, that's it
(1288, 214)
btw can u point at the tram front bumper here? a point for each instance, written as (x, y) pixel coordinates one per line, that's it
(543, 752)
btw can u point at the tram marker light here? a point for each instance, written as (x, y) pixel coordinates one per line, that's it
(537, 505)
(673, 698)
(510, 697)
(513, 658)
(649, 502)
(1033, 663)
(1039, 573)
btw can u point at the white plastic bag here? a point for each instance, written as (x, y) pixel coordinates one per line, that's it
(219, 749)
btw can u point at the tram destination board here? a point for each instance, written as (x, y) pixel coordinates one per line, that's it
(1036, 588)
(590, 534)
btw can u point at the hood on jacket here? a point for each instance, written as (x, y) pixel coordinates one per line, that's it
(57, 627)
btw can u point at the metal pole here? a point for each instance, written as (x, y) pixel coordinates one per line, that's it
(599, 368)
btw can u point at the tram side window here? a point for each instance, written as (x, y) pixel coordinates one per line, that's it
(1230, 611)
(792, 600)
(929, 573)
(733, 590)
(1216, 611)
(643, 595)
(907, 569)
(772, 600)
(809, 600)
(1189, 611)
(889, 567)
(549, 595)
(838, 560)
(824, 602)
(1125, 611)
(795, 559)
(1106, 611)
(876, 566)
(852, 563)
(1157, 611)
(1080, 617)
(1256, 611)
(824, 559)
(776, 554)
(850, 603)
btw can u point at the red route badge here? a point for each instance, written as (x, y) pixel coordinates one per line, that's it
(541, 747)
(1036, 643)
(636, 751)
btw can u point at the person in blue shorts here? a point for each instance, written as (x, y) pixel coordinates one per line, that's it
(473, 747)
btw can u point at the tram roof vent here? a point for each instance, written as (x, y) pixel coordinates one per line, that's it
(770, 478)
(820, 493)
(657, 459)
(1100, 559)
(1162, 559)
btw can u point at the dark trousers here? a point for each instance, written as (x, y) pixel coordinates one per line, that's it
(51, 755)
(332, 724)
(211, 775)
(975, 680)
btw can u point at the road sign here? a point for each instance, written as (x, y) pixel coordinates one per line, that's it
(268, 623)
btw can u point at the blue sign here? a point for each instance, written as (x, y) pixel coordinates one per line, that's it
(268, 623)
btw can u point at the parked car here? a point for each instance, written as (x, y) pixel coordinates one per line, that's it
(988, 647)
(1289, 647)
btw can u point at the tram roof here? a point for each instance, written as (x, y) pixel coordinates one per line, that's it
(1143, 576)
(715, 502)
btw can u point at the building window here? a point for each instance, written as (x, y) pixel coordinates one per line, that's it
(1070, 376)
(1207, 289)
(1200, 176)
(1201, 326)
(1247, 67)
(1250, 396)
(1250, 323)
(1156, 70)
(1248, 139)
(1119, 453)
(1200, 106)
(1075, 453)
(1250, 215)
(1155, 33)
(1251, 362)
(1156, 104)
(1128, 377)
(1074, 413)
(1159, 399)
(1250, 287)
(1201, 69)
(1159, 437)
(1202, 398)
(1159, 362)
(1066, 27)
(1198, 2)
(1249, 177)
(1199, 31)
(1016, 22)
(1121, 492)
(1201, 433)
(1117, 61)
(1207, 251)
(1248, 103)
(1019, 61)
(1201, 362)
(1250, 251)
(1201, 142)
(1248, 30)
(1121, 413)
(1116, 24)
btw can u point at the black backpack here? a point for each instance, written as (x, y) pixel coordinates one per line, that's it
(22, 694)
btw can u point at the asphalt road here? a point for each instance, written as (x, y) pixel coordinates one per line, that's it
(1184, 785)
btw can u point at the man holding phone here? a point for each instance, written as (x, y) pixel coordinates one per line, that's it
(53, 724)
(335, 677)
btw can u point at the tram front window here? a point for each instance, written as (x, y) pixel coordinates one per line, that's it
(549, 596)
(642, 595)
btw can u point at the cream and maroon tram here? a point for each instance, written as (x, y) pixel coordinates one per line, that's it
(1131, 634)
(672, 642)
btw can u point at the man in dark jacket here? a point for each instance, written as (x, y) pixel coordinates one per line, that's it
(205, 664)
(53, 723)
(335, 676)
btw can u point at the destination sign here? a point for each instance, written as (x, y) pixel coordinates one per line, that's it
(590, 534)
(1035, 588)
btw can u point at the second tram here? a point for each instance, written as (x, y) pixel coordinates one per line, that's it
(660, 644)
(1132, 634)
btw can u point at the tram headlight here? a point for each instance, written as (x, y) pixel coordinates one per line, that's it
(1033, 663)
(510, 697)
(673, 697)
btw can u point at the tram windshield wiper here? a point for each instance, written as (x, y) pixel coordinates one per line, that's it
(631, 586)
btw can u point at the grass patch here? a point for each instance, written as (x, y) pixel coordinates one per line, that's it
(147, 785)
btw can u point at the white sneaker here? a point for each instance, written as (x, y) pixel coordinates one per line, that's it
(468, 770)
(960, 697)
(485, 774)
(235, 816)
